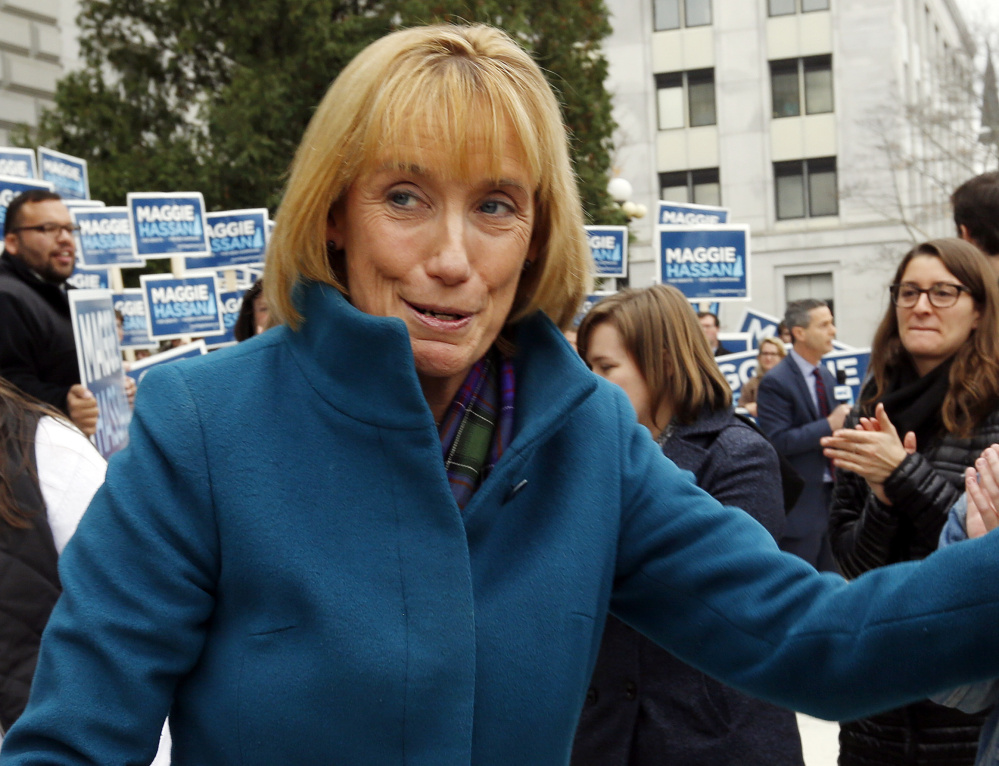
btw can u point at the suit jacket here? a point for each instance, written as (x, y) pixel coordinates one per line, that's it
(319, 598)
(788, 415)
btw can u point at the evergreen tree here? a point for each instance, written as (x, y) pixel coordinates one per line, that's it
(214, 96)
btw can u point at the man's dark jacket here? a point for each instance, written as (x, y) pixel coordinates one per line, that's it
(37, 350)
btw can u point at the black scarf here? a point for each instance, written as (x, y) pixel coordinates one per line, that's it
(915, 403)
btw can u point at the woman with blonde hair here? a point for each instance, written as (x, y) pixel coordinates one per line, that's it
(650, 343)
(771, 351)
(415, 561)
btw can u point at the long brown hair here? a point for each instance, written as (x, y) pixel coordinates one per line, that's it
(973, 390)
(660, 330)
(18, 431)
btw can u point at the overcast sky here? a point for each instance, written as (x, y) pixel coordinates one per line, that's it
(978, 11)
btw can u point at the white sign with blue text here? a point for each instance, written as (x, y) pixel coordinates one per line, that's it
(105, 237)
(17, 163)
(90, 279)
(67, 174)
(168, 223)
(237, 238)
(132, 308)
(188, 351)
(231, 303)
(11, 186)
(609, 248)
(176, 308)
(682, 214)
(705, 262)
(101, 370)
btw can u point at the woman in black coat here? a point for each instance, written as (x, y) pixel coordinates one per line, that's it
(644, 706)
(930, 407)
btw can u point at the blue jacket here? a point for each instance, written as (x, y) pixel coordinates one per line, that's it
(277, 561)
(787, 415)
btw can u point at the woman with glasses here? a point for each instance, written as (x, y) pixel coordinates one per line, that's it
(771, 352)
(929, 408)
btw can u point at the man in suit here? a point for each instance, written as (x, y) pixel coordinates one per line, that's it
(796, 408)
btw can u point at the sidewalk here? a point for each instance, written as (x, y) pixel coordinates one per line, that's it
(819, 741)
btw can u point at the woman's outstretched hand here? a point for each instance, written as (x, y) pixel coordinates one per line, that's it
(982, 483)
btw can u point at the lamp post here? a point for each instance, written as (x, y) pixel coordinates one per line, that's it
(620, 191)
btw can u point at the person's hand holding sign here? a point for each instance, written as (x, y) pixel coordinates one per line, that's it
(82, 407)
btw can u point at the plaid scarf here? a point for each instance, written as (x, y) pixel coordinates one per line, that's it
(478, 425)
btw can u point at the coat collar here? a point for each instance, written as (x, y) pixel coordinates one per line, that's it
(363, 366)
(54, 295)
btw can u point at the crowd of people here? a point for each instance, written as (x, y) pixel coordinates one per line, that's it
(453, 538)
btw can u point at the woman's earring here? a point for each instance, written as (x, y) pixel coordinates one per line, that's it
(527, 265)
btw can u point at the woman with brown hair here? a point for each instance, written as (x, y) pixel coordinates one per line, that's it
(929, 408)
(770, 353)
(49, 471)
(645, 706)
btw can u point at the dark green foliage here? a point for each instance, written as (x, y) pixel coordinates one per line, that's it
(213, 96)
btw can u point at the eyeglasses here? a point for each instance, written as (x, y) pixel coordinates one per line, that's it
(942, 295)
(51, 229)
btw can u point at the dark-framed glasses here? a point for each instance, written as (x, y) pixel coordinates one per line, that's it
(942, 295)
(51, 229)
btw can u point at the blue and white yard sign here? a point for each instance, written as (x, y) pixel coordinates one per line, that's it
(738, 368)
(188, 351)
(105, 237)
(237, 237)
(133, 318)
(705, 263)
(90, 279)
(101, 370)
(82, 204)
(231, 303)
(735, 342)
(168, 223)
(589, 302)
(11, 186)
(682, 214)
(609, 248)
(180, 307)
(67, 174)
(17, 163)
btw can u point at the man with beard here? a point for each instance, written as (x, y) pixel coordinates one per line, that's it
(37, 350)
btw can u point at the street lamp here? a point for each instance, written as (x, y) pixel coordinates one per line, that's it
(620, 191)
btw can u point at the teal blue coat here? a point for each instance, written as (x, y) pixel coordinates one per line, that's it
(277, 562)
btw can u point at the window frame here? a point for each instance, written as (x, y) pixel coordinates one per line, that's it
(681, 11)
(801, 68)
(809, 171)
(692, 180)
(682, 81)
(798, 6)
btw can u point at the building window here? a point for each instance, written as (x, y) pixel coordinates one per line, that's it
(686, 99)
(787, 7)
(801, 286)
(698, 187)
(674, 14)
(797, 82)
(806, 188)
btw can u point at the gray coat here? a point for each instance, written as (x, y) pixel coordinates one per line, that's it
(645, 706)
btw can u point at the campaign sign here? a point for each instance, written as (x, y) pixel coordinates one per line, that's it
(67, 174)
(589, 302)
(739, 368)
(705, 263)
(609, 248)
(105, 237)
(168, 223)
(90, 279)
(17, 163)
(82, 204)
(735, 342)
(101, 371)
(137, 371)
(682, 214)
(231, 303)
(237, 237)
(132, 308)
(179, 307)
(760, 325)
(11, 186)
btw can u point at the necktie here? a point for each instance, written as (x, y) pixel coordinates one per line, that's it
(820, 394)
